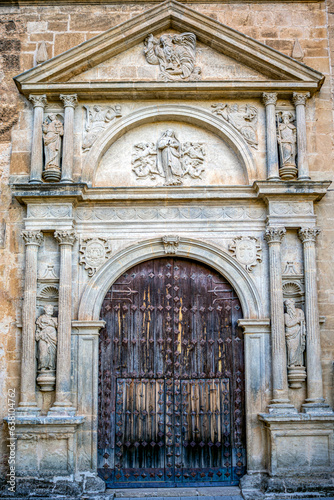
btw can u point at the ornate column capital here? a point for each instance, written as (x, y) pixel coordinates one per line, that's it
(274, 234)
(39, 101)
(65, 237)
(269, 98)
(32, 237)
(308, 233)
(70, 101)
(300, 98)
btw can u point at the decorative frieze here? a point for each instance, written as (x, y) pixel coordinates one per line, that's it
(168, 159)
(247, 250)
(49, 211)
(171, 243)
(243, 118)
(175, 55)
(291, 207)
(97, 119)
(93, 253)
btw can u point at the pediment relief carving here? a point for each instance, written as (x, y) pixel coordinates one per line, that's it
(189, 58)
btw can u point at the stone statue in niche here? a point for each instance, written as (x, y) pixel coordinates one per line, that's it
(53, 131)
(295, 335)
(168, 159)
(97, 118)
(175, 55)
(46, 337)
(242, 118)
(287, 140)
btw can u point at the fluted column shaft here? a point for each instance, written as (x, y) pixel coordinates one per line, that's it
(313, 348)
(36, 166)
(33, 240)
(66, 240)
(274, 236)
(70, 101)
(270, 100)
(299, 100)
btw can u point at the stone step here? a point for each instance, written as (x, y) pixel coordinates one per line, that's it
(203, 493)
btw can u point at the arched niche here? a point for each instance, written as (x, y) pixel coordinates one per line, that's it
(171, 112)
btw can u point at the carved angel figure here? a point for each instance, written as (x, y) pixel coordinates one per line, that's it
(175, 55)
(169, 158)
(193, 155)
(46, 336)
(52, 133)
(242, 118)
(287, 138)
(97, 119)
(144, 160)
(295, 333)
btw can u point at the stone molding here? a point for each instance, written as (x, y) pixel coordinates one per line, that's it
(176, 112)
(97, 287)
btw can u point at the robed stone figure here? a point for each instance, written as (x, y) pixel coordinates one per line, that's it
(46, 337)
(295, 333)
(169, 158)
(53, 131)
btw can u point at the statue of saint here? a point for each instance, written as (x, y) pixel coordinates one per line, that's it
(53, 131)
(169, 158)
(287, 138)
(46, 336)
(295, 333)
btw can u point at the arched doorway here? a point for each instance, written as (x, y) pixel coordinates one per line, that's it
(171, 378)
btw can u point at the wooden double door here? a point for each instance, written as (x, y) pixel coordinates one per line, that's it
(171, 378)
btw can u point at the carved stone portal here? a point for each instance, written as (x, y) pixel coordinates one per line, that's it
(168, 159)
(94, 252)
(242, 118)
(46, 337)
(247, 250)
(52, 133)
(175, 55)
(295, 335)
(97, 118)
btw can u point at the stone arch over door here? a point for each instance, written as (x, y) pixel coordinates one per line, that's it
(171, 378)
(183, 113)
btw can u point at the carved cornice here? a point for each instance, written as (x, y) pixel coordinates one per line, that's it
(32, 237)
(308, 234)
(269, 98)
(300, 98)
(65, 237)
(274, 234)
(39, 101)
(70, 101)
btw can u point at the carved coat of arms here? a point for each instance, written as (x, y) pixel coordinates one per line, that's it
(93, 253)
(175, 55)
(247, 251)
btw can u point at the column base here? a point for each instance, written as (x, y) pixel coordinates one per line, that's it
(62, 409)
(274, 178)
(35, 181)
(27, 409)
(304, 178)
(317, 408)
(63, 181)
(281, 407)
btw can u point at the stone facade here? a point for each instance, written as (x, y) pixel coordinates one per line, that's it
(170, 134)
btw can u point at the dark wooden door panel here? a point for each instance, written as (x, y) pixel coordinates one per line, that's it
(171, 378)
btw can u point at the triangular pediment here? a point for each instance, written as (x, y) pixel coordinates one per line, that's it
(232, 56)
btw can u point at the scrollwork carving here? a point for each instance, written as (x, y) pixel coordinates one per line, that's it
(274, 234)
(308, 234)
(247, 250)
(242, 118)
(300, 98)
(175, 55)
(93, 253)
(38, 100)
(269, 98)
(70, 100)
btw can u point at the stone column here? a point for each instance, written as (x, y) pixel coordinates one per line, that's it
(280, 401)
(299, 100)
(62, 403)
(70, 101)
(315, 400)
(33, 240)
(270, 100)
(36, 168)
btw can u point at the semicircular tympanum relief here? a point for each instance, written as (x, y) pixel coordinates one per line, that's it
(169, 153)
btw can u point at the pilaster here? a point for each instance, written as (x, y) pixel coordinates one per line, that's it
(70, 101)
(36, 169)
(299, 100)
(270, 100)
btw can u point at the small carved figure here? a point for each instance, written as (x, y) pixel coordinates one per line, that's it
(295, 333)
(46, 336)
(53, 131)
(144, 160)
(193, 155)
(97, 118)
(287, 139)
(169, 158)
(242, 118)
(175, 55)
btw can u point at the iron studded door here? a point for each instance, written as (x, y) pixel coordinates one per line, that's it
(171, 378)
